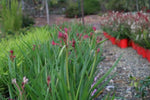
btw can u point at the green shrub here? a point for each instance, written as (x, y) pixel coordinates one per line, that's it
(142, 87)
(27, 21)
(91, 6)
(72, 10)
(11, 14)
(117, 5)
(125, 5)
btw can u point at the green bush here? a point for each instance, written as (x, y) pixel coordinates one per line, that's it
(27, 21)
(116, 5)
(91, 6)
(11, 14)
(125, 5)
(72, 10)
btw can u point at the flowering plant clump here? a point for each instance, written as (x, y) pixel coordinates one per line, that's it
(62, 68)
(140, 29)
(125, 25)
(21, 90)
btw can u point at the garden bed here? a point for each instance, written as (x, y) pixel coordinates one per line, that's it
(124, 43)
(130, 64)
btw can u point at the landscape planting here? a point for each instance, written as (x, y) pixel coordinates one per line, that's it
(128, 29)
(58, 68)
(74, 50)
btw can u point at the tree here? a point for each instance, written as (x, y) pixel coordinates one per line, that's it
(47, 11)
(82, 11)
(137, 5)
(149, 4)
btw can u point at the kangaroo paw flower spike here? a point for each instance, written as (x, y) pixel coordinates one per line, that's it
(12, 57)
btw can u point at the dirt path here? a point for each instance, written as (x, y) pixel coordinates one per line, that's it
(58, 19)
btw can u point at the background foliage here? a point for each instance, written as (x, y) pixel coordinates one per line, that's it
(125, 5)
(11, 14)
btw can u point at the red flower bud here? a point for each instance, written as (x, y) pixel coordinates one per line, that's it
(60, 35)
(11, 51)
(53, 43)
(77, 34)
(94, 28)
(33, 47)
(63, 36)
(12, 57)
(73, 43)
(98, 50)
(48, 80)
(91, 34)
(66, 30)
(85, 36)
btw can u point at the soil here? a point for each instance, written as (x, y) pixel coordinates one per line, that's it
(58, 19)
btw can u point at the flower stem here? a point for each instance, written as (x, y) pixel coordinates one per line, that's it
(93, 65)
(20, 92)
(67, 73)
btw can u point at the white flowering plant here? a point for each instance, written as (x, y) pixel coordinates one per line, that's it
(140, 29)
(126, 25)
(115, 24)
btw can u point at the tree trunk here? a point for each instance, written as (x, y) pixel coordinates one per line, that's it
(137, 5)
(149, 4)
(22, 2)
(79, 7)
(82, 11)
(43, 3)
(47, 12)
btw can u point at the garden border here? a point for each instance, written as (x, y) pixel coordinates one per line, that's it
(124, 43)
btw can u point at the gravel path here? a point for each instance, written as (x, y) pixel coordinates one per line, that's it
(130, 64)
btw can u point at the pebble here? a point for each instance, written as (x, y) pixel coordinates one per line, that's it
(130, 64)
(108, 88)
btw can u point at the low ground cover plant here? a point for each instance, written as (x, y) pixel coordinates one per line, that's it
(142, 87)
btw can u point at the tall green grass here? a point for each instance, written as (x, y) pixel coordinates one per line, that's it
(11, 14)
(34, 35)
(54, 72)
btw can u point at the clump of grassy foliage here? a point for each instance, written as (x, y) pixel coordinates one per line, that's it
(57, 63)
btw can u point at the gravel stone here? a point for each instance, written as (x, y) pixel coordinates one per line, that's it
(130, 64)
